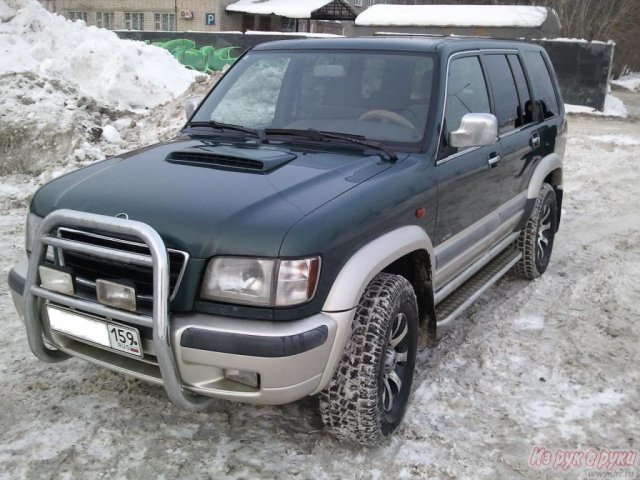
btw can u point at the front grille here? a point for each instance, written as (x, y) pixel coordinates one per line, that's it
(87, 268)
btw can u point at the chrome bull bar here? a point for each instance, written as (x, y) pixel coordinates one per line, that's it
(158, 260)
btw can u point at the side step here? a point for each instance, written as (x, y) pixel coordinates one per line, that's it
(459, 300)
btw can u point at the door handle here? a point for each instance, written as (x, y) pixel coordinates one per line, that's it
(493, 161)
(535, 139)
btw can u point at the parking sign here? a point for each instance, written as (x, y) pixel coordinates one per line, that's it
(210, 19)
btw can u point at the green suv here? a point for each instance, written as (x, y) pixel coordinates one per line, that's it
(327, 202)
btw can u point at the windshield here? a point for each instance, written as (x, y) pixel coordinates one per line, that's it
(382, 96)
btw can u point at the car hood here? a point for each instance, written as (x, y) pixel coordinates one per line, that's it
(212, 198)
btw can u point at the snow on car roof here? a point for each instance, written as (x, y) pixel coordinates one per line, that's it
(282, 8)
(453, 16)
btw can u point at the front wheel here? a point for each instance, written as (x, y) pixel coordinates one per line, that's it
(536, 240)
(368, 394)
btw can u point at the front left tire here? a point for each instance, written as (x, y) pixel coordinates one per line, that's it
(368, 394)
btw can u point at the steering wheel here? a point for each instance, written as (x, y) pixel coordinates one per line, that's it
(386, 116)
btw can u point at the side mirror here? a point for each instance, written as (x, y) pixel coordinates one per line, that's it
(476, 130)
(191, 105)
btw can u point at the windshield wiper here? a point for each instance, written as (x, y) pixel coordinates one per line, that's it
(238, 128)
(324, 136)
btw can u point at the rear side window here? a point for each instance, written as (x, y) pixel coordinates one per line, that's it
(505, 95)
(543, 90)
(526, 104)
(466, 92)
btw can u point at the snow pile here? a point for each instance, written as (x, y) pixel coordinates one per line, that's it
(282, 8)
(119, 73)
(453, 15)
(73, 94)
(613, 107)
(630, 81)
(6, 12)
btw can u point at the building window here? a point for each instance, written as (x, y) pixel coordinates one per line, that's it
(78, 16)
(357, 3)
(105, 20)
(134, 21)
(165, 21)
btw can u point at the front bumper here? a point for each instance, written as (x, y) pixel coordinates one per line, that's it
(293, 359)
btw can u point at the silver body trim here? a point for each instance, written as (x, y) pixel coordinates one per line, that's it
(367, 262)
(454, 256)
(445, 324)
(450, 287)
(548, 164)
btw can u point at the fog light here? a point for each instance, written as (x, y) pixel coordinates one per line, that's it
(251, 379)
(116, 294)
(56, 279)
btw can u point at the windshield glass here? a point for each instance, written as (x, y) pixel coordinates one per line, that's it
(382, 96)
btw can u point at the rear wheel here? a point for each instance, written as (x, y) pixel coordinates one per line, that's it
(368, 394)
(536, 240)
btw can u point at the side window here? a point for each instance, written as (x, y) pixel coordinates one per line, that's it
(466, 93)
(505, 95)
(526, 104)
(543, 90)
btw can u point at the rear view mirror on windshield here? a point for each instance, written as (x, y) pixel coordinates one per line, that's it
(329, 71)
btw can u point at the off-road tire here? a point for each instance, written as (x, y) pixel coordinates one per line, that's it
(534, 263)
(352, 403)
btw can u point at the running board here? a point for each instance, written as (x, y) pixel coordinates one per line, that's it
(459, 300)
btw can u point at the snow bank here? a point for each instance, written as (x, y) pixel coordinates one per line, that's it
(613, 107)
(119, 73)
(282, 8)
(6, 12)
(73, 94)
(630, 81)
(453, 15)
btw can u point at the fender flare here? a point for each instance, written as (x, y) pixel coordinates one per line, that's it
(369, 260)
(548, 164)
(354, 277)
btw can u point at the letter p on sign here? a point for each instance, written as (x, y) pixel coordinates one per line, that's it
(210, 19)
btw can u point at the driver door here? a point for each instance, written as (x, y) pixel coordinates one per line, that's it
(469, 180)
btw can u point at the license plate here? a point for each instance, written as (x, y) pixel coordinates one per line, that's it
(112, 335)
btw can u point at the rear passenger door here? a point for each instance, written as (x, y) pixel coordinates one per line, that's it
(518, 131)
(468, 186)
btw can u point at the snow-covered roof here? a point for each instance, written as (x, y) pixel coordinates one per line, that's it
(282, 8)
(452, 16)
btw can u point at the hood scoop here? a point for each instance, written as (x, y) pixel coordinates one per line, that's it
(258, 159)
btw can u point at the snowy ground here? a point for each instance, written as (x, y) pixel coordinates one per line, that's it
(549, 363)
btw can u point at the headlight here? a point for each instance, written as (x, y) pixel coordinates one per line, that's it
(33, 224)
(263, 282)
